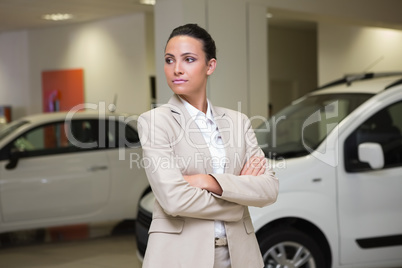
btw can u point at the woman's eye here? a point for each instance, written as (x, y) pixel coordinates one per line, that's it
(190, 59)
(168, 60)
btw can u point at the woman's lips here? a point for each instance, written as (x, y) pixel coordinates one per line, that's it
(179, 81)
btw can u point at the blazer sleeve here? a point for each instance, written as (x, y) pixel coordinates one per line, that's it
(248, 190)
(174, 194)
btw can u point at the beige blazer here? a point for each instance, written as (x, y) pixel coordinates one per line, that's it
(182, 229)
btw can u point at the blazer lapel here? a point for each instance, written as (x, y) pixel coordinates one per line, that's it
(190, 130)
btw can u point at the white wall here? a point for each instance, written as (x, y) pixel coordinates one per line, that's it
(14, 72)
(292, 57)
(344, 49)
(112, 53)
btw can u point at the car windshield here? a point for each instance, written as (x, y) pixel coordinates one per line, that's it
(301, 127)
(10, 128)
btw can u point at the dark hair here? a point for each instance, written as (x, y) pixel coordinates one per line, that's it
(195, 31)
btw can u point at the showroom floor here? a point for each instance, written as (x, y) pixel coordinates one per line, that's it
(106, 252)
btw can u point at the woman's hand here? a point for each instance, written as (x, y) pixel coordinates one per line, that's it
(204, 181)
(255, 166)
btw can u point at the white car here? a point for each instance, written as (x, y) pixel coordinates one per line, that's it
(338, 155)
(69, 168)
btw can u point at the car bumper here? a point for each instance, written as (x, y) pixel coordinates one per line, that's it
(143, 223)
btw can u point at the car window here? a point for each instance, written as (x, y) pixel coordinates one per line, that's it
(121, 134)
(85, 134)
(46, 139)
(11, 127)
(56, 138)
(72, 136)
(305, 123)
(385, 128)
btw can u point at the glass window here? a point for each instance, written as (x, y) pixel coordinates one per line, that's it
(121, 134)
(42, 140)
(72, 136)
(385, 128)
(58, 137)
(304, 125)
(10, 128)
(85, 134)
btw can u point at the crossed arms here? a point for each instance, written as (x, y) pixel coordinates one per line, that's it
(205, 196)
(255, 166)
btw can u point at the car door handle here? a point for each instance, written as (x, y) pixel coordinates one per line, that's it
(97, 168)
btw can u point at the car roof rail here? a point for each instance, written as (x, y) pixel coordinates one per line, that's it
(350, 78)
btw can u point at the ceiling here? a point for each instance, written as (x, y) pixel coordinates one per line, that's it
(27, 14)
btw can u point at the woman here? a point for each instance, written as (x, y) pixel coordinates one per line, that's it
(204, 166)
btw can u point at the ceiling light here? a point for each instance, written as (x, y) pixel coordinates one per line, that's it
(57, 17)
(147, 2)
(269, 15)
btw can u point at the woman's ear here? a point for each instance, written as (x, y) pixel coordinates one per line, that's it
(211, 66)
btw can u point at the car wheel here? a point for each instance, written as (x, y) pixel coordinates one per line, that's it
(288, 247)
(124, 227)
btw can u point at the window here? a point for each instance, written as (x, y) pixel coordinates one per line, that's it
(385, 128)
(85, 134)
(72, 136)
(121, 134)
(306, 122)
(55, 138)
(42, 140)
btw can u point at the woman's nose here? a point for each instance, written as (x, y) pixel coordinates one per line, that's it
(177, 69)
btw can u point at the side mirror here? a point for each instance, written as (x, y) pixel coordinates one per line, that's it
(14, 158)
(372, 154)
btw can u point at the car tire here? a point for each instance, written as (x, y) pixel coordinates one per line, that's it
(288, 247)
(124, 227)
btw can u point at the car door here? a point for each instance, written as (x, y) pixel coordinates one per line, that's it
(129, 181)
(51, 177)
(370, 211)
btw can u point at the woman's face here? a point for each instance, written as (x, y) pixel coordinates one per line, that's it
(186, 69)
